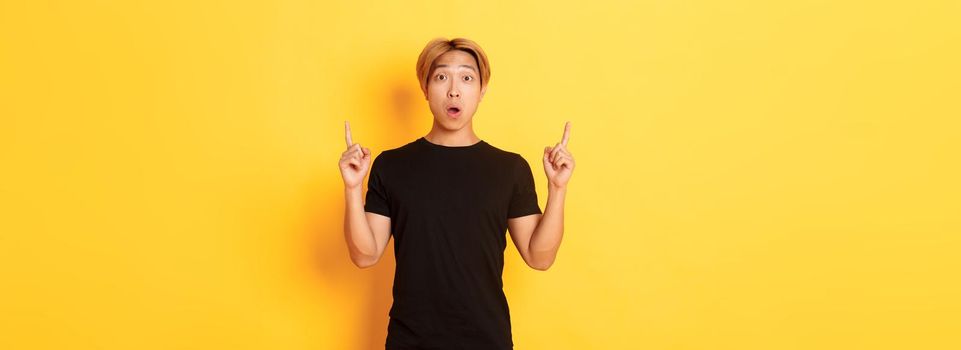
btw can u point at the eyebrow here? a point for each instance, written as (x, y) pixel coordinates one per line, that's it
(463, 65)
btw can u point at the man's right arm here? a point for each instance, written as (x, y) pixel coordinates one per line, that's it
(366, 233)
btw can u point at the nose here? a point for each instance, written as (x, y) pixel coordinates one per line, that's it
(453, 92)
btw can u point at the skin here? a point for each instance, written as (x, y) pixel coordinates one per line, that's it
(454, 81)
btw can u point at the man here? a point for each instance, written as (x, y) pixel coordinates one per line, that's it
(447, 199)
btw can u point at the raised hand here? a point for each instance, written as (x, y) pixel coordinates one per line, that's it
(354, 162)
(558, 161)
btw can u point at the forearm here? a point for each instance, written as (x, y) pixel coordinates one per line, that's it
(357, 232)
(546, 239)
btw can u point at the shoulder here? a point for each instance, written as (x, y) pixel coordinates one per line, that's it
(391, 154)
(511, 160)
(503, 154)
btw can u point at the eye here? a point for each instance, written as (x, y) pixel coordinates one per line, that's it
(441, 77)
(468, 78)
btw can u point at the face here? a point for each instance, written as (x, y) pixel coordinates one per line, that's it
(454, 89)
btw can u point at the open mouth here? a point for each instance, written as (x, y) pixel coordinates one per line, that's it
(453, 111)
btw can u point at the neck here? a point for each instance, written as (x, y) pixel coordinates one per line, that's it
(463, 137)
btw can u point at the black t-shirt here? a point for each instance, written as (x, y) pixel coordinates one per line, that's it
(449, 207)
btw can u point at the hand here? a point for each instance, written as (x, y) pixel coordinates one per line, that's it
(354, 162)
(558, 161)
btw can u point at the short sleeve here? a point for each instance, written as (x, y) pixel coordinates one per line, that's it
(524, 198)
(377, 200)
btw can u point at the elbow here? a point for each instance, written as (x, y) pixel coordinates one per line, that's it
(364, 265)
(541, 266)
(541, 260)
(364, 262)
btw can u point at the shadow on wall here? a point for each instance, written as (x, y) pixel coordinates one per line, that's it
(392, 98)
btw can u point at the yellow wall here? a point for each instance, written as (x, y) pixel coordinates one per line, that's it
(750, 174)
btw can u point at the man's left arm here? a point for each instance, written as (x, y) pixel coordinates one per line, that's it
(538, 236)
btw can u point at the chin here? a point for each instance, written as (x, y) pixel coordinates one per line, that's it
(452, 125)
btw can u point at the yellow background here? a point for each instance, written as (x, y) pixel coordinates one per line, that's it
(750, 174)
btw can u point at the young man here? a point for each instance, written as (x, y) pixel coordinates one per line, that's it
(447, 199)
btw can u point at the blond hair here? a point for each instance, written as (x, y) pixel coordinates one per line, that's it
(437, 47)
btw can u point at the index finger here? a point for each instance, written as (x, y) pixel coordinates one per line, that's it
(347, 130)
(567, 133)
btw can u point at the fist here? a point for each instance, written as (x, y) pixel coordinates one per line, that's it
(354, 162)
(558, 161)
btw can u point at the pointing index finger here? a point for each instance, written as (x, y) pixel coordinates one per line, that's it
(567, 133)
(347, 131)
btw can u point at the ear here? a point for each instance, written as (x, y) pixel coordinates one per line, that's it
(483, 91)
